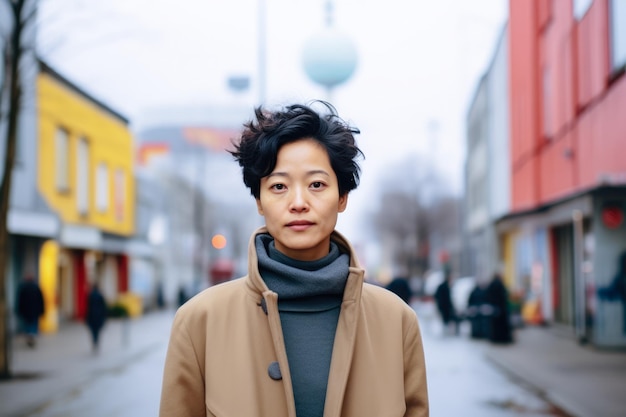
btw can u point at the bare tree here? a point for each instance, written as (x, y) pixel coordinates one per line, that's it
(445, 232)
(417, 215)
(402, 221)
(22, 14)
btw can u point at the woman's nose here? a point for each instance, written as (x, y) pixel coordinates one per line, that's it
(298, 201)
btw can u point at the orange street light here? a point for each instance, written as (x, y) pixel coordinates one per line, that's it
(218, 241)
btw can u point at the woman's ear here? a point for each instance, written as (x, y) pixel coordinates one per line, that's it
(343, 203)
(259, 208)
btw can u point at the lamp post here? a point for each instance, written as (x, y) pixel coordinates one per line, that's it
(261, 52)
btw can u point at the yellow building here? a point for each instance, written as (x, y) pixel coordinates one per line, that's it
(85, 176)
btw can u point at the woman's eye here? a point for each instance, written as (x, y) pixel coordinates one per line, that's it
(317, 184)
(278, 187)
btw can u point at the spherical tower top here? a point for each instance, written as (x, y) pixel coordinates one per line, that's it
(329, 57)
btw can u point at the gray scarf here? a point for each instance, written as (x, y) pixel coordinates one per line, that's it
(303, 285)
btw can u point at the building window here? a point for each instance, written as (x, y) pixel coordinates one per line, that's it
(102, 187)
(119, 194)
(82, 177)
(617, 34)
(581, 7)
(62, 149)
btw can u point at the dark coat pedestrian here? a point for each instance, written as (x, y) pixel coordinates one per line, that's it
(182, 296)
(30, 307)
(96, 315)
(400, 287)
(498, 297)
(479, 312)
(616, 290)
(443, 300)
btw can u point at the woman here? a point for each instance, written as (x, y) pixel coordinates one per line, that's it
(301, 334)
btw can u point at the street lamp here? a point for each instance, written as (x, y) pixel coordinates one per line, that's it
(329, 57)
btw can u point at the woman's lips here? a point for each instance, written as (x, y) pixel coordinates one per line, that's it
(299, 225)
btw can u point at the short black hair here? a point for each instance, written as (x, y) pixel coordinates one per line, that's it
(257, 149)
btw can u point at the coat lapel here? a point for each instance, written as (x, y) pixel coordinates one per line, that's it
(343, 347)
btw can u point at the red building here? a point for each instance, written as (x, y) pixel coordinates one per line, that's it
(566, 230)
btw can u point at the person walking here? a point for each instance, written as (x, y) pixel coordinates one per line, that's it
(400, 286)
(616, 290)
(30, 307)
(302, 333)
(498, 297)
(443, 300)
(96, 315)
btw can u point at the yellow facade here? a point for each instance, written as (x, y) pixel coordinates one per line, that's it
(106, 199)
(508, 255)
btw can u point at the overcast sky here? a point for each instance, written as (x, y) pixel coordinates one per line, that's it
(418, 63)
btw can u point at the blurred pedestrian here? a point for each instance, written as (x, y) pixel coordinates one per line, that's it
(400, 286)
(616, 290)
(302, 333)
(498, 297)
(160, 298)
(182, 296)
(96, 315)
(479, 312)
(30, 307)
(443, 300)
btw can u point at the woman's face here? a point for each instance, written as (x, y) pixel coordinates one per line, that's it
(300, 200)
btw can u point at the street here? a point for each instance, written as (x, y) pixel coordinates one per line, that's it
(129, 390)
(125, 378)
(461, 381)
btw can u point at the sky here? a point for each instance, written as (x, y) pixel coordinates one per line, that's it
(418, 63)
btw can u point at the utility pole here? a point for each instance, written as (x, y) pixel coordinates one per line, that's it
(12, 50)
(262, 52)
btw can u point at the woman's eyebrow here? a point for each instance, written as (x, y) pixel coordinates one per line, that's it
(308, 173)
(277, 174)
(318, 171)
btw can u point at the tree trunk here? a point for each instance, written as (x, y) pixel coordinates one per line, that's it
(14, 49)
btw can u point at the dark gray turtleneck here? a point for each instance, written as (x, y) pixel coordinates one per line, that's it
(309, 302)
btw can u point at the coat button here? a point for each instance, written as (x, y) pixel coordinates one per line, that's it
(274, 371)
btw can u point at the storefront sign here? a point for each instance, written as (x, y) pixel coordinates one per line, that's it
(612, 216)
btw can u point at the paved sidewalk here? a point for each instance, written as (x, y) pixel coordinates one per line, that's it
(582, 380)
(63, 361)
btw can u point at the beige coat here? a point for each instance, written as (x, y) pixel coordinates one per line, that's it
(222, 344)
